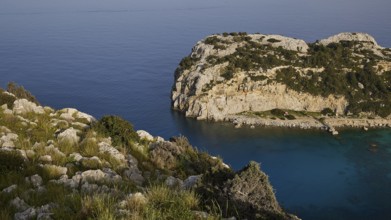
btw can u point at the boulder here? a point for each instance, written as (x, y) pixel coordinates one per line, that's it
(144, 135)
(23, 106)
(19, 204)
(10, 189)
(108, 149)
(29, 213)
(69, 135)
(36, 180)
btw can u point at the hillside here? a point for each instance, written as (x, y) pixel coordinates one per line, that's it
(65, 164)
(344, 80)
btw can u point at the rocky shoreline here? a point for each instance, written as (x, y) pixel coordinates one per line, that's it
(328, 124)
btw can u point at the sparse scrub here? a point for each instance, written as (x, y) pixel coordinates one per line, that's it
(20, 92)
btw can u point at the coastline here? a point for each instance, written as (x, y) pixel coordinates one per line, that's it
(328, 124)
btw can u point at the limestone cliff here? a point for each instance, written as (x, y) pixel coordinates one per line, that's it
(239, 73)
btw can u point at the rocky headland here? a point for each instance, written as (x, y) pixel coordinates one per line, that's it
(272, 80)
(65, 164)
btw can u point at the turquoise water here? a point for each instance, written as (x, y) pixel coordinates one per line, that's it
(118, 57)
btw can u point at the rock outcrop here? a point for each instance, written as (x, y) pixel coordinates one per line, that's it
(63, 164)
(234, 74)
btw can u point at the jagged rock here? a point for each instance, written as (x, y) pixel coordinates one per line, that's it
(44, 212)
(191, 181)
(19, 204)
(250, 189)
(144, 135)
(28, 214)
(23, 106)
(69, 135)
(173, 182)
(164, 154)
(36, 180)
(108, 149)
(10, 188)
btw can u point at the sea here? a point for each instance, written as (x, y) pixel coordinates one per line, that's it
(118, 57)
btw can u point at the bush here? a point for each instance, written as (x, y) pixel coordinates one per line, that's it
(327, 111)
(272, 40)
(277, 112)
(166, 203)
(120, 130)
(290, 117)
(6, 99)
(20, 92)
(10, 161)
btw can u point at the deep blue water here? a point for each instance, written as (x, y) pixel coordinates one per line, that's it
(119, 56)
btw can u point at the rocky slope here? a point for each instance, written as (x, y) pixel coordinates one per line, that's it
(232, 76)
(64, 164)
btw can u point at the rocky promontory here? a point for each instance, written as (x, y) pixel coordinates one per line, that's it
(272, 80)
(65, 164)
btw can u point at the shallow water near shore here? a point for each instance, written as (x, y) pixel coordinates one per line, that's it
(119, 58)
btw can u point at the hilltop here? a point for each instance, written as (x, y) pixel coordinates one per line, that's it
(257, 79)
(65, 164)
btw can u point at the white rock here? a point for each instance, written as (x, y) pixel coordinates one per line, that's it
(69, 135)
(29, 213)
(76, 156)
(108, 149)
(46, 158)
(67, 116)
(10, 189)
(36, 180)
(19, 204)
(363, 37)
(144, 135)
(22, 106)
(191, 181)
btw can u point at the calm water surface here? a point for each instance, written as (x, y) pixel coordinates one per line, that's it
(119, 56)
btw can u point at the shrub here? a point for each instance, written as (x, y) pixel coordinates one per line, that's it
(290, 117)
(277, 112)
(120, 130)
(327, 111)
(21, 93)
(6, 99)
(272, 40)
(166, 203)
(11, 161)
(228, 75)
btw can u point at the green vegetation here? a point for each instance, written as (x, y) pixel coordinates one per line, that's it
(104, 171)
(120, 130)
(20, 92)
(272, 40)
(344, 69)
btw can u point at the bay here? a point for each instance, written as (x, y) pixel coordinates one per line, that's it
(119, 57)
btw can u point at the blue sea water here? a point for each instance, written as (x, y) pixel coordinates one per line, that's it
(119, 56)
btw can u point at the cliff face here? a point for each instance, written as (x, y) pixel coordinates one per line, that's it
(231, 74)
